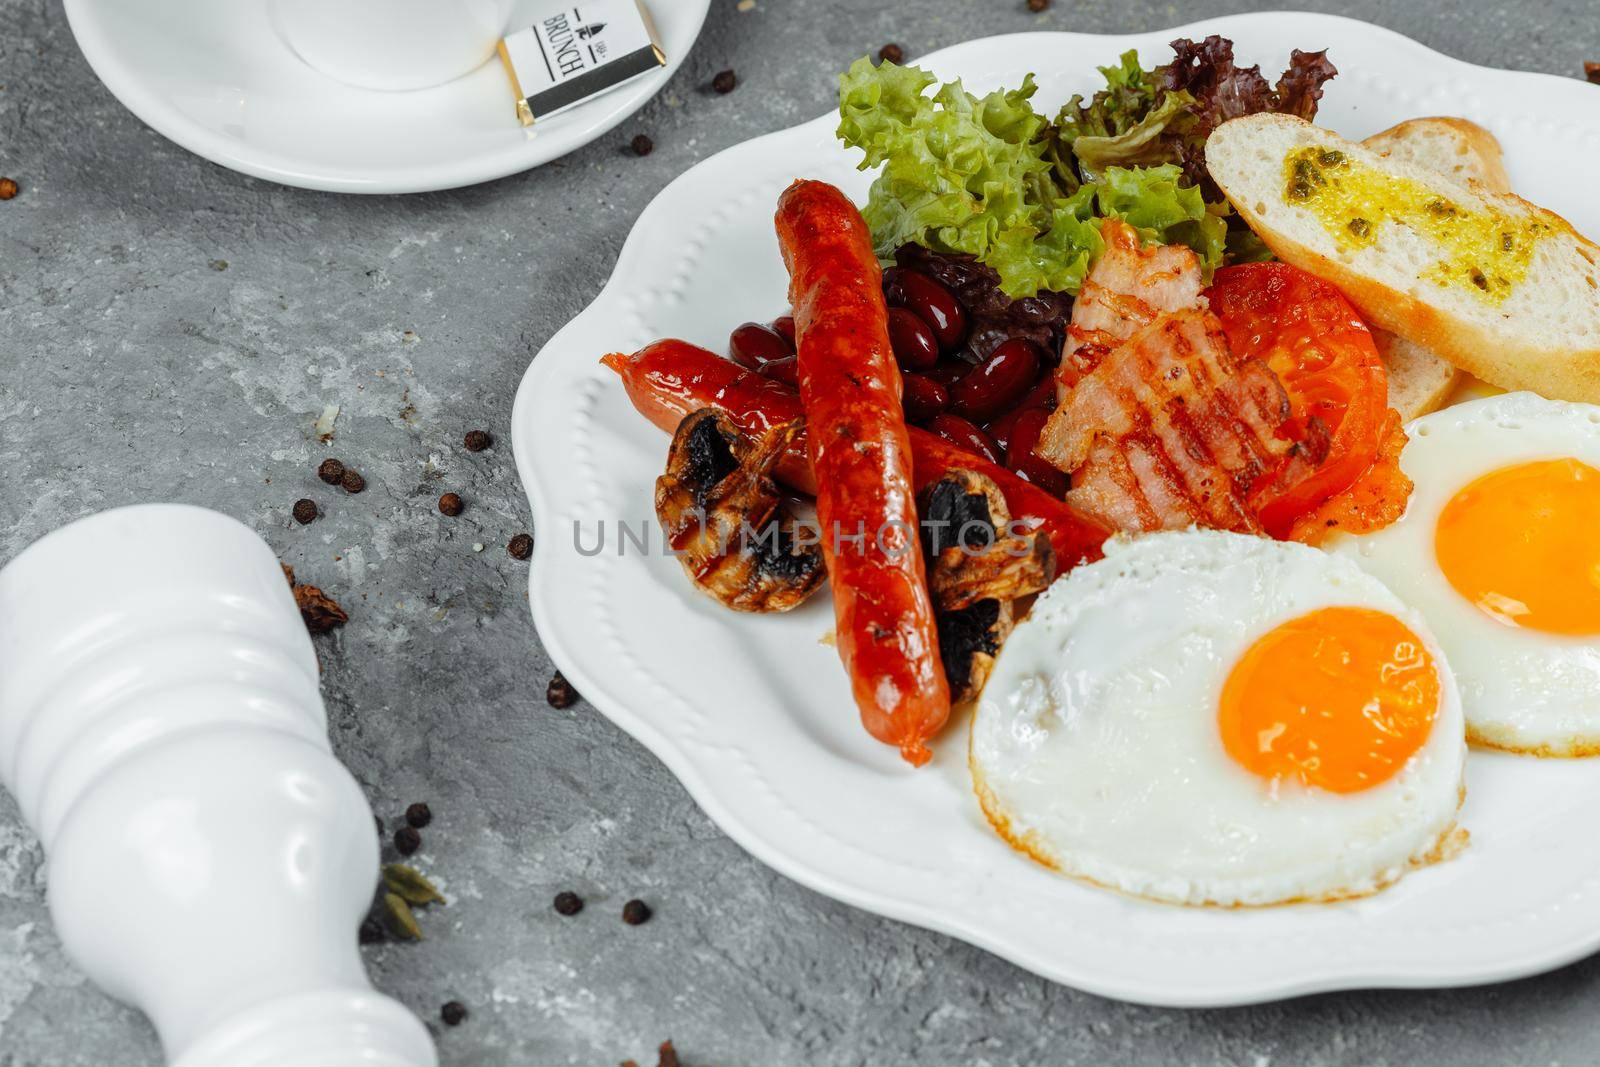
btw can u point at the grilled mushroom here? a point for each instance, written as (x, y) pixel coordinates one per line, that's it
(976, 567)
(722, 513)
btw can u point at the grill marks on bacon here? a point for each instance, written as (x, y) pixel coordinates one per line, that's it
(1128, 287)
(1170, 429)
(1158, 422)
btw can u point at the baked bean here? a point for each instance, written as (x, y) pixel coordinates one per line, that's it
(999, 428)
(998, 382)
(950, 372)
(923, 397)
(932, 303)
(782, 370)
(754, 345)
(912, 340)
(1042, 395)
(1025, 430)
(963, 434)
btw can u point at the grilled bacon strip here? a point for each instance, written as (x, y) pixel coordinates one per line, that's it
(1127, 288)
(1170, 429)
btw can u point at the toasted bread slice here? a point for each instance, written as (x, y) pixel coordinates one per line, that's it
(1431, 266)
(1419, 380)
(1453, 147)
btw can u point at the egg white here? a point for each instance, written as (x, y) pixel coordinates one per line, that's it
(1521, 689)
(1095, 746)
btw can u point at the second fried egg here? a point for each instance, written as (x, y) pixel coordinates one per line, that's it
(1499, 550)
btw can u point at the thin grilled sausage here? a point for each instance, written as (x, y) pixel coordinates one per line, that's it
(670, 379)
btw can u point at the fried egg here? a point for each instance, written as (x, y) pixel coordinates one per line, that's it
(1500, 551)
(1211, 718)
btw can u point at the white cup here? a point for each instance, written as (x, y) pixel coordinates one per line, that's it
(393, 44)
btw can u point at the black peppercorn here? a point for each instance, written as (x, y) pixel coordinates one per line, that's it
(407, 840)
(642, 145)
(520, 546)
(568, 903)
(419, 815)
(450, 504)
(371, 931)
(477, 440)
(724, 81)
(331, 471)
(305, 511)
(352, 482)
(453, 1013)
(892, 53)
(560, 693)
(635, 913)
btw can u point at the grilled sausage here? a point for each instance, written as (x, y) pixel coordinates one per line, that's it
(861, 455)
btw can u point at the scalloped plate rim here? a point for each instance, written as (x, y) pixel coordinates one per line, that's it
(707, 793)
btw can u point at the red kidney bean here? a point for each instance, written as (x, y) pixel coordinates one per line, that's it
(754, 345)
(784, 324)
(960, 432)
(1051, 352)
(1025, 430)
(1000, 428)
(1038, 471)
(891, 285)
(923, 397)
(912, 340)
(950, 372)
(933, 304)
(783, 370)
(1026, 427)
(998, 382)
(1042, 395)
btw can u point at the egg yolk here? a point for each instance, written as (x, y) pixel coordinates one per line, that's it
(1523, 544)
(1338, 699)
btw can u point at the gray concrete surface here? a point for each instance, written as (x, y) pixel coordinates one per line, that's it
(134, 367)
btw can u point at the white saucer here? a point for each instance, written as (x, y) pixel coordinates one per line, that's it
(217, 79)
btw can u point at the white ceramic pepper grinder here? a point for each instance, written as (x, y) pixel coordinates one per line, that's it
(208, 859)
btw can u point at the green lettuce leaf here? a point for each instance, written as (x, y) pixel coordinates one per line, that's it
(1057, 259)
(1134, 121)
(1244, 246)
(1152, 201)
(1147, 142)
(980, 177)
(1129, 94)
(960, 173)
(1164, 115)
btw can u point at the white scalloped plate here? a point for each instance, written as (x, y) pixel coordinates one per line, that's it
(754, 715)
